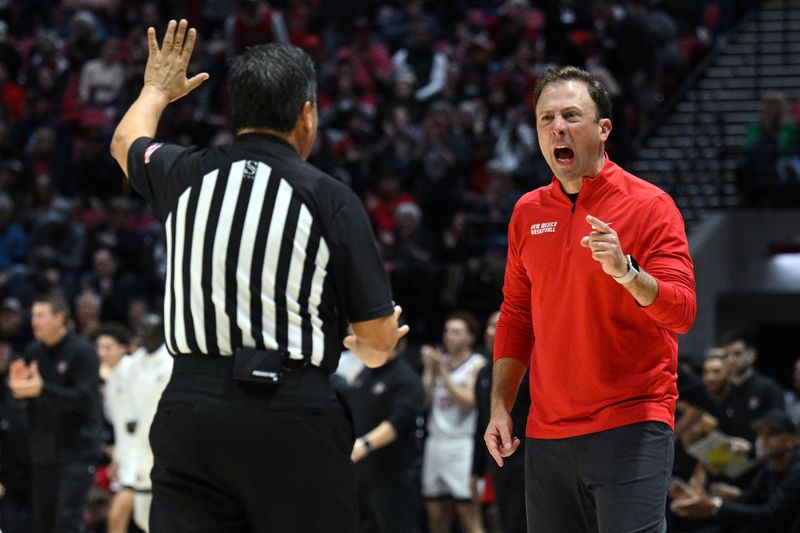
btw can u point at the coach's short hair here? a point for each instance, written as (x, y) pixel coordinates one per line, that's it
(57, 302)
(597, 91)
(268, 86)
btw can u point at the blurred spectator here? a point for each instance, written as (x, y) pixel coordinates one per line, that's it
(386, 402)
(46, 52)
(442, 153)
(346, 98)
(9, 55)
(516, 144)
(716, 373)
(449, 379)
(83, 42)
(100, 84)
(112, 341)
(88, 305)
(12, 96)
(45, 155)
(37, 201)
(13, 241)
(116, 233)
(57, 231)
(509, 481)
(254, 22)
(115, 286)
(149, 374)
(771, 151)
(138, 309)
(770, 503)
(368, 57)
(41, 275)
(382, 203)
(410, 261)
(751, 393)
(58, 385)
(15, 465)
(401, 134)
(420, 58)
(517, 23)
(15, 332)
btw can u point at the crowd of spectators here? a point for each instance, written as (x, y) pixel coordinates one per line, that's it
(425, 111)
(768, 170)
(737, 466)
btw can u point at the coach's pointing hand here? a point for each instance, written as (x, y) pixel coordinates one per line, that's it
(604, 244)
(166, 68)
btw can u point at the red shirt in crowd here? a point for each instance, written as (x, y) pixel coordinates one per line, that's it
(598, 360)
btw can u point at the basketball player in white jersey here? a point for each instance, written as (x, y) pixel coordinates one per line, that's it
(449, 380)
(149, 374)
(112, 341)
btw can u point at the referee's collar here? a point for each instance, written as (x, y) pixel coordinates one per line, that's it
(257, 137)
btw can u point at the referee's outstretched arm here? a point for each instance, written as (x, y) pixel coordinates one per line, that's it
(164, 81)
(374, 340)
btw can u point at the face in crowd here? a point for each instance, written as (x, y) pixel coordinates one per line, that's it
(109, 350)
(715, 374)
(48, 325)
(457, 336)
(775, 444)
(740, 357)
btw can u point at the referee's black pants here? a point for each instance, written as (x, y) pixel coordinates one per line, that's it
(233, 457)
(612, 481)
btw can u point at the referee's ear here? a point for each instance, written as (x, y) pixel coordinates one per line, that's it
(306, 127)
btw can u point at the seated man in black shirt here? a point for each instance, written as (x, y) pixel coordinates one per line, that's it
(751, 393)
(771, 503)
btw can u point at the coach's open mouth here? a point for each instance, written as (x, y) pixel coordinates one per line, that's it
(564, 154)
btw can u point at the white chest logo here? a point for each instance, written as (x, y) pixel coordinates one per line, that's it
(543, 227)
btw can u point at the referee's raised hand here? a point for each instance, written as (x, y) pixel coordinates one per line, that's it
(166, 67)
(164, 81)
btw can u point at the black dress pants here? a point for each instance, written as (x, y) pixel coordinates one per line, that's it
(612, 481)
(233, 457)
(58, 496)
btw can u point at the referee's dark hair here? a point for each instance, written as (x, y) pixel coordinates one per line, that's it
(116, 331)
(268, 86)
(57, 302)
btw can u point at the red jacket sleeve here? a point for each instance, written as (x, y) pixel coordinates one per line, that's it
(514, 335)
(665, 256)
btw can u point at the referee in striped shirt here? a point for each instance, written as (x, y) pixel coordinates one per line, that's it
(268, 260)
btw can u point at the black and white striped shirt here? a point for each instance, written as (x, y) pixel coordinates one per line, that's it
(263, 249)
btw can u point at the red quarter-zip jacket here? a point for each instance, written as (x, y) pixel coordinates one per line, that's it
(598, 360)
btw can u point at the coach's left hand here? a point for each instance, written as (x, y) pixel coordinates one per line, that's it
(166, 68)
(605, 247)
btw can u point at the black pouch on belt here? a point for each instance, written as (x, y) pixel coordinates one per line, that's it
(260, 366)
